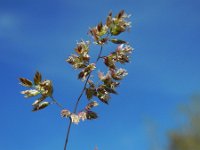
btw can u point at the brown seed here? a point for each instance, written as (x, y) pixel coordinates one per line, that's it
(37, 78)
(99, 27)
(120, 14)
(25, 82)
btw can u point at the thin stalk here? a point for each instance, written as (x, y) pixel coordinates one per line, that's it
(56, 102)
(67, 136)
(78, 100)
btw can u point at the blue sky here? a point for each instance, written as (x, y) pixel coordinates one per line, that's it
(164, 72)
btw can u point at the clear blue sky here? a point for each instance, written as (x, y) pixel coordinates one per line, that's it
(40, 34)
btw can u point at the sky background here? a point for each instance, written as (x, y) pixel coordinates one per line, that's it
(164, 72)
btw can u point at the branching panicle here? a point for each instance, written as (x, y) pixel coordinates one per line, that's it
(102, 33)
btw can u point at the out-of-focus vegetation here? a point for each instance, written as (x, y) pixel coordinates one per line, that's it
(187, 136)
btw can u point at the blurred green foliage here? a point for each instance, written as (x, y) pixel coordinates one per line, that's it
(187, 137)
